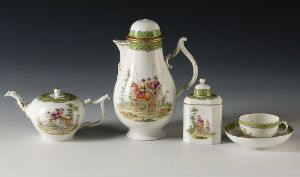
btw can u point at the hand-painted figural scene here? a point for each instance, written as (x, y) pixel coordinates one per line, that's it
(146, 100)
(200, 127)
(60, 121)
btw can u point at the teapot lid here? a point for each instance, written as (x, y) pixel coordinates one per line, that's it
(145, 29)
(203, 91)
(57, 96)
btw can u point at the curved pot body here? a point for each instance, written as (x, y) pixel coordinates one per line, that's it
(144, 94)
(58, 115)
(56, 121)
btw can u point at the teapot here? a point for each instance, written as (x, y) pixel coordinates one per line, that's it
(145, 94)
(58, 115)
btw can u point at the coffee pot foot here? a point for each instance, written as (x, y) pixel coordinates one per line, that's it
(146, 135)
(57, 138)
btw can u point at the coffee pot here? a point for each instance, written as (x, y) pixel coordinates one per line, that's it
(145, 94)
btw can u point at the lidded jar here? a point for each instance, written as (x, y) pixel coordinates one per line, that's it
(202, 116)
(58, 115)
(145, 94)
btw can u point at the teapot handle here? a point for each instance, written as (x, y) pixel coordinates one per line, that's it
(181, 47)
(101, 100)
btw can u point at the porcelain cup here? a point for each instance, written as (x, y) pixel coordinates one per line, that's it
(260, 125)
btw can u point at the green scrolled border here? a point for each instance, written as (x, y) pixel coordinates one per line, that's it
(211, 97)
(145, 34)
(260, 126)
(231, 126)
(65, 97)
(145, 46)
(235, 124)
(202, 92)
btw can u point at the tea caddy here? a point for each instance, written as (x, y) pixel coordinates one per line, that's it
(202, 116)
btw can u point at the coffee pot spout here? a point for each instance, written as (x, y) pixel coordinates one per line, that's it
(123, 47)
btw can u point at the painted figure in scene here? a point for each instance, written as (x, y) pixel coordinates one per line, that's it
(137, 95)
(200, 127)
(146, 100)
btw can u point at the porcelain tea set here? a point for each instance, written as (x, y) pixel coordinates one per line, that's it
(58, 115)
(259, 131)
(145, 97)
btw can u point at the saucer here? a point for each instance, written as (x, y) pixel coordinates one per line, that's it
(234, 133)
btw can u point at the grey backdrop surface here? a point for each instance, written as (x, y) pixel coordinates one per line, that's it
(247, 50)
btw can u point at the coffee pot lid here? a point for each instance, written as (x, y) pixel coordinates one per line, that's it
(145, 29)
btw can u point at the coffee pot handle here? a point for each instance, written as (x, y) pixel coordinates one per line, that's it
(101, 100)
(181, 47)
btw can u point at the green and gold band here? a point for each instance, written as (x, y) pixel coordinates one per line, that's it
(145, 40)
(145, 46)
(260, 126)
(202, 92)
(145, 34)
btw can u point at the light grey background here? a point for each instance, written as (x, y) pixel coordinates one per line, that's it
(248, 52)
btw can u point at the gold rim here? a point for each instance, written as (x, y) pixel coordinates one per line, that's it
(144, 40)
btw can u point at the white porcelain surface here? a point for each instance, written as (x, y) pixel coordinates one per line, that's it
(202, 118)
(261, 119)
(144, 25)
(57, 120)
(142, 65)
(259, 133)
(145, 94)
(202, 85)
(257, 143)
(37, 112)
(105, 152)
(212, 119)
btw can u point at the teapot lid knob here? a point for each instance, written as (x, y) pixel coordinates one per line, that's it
(56, 93)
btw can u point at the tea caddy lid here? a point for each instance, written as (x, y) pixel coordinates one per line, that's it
(202, 90)
(57, 96)
(203, 95)
(145, 29)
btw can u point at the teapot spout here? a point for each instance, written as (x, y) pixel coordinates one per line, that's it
(18, 98)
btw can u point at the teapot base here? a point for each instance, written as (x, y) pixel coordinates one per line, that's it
(57, 138)
(146, 135)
